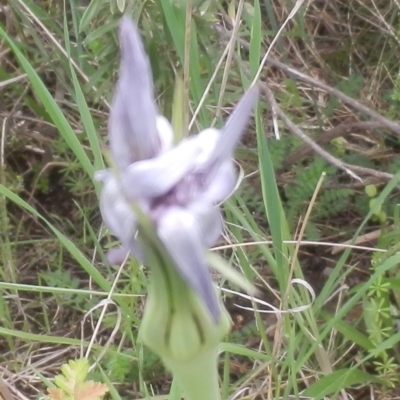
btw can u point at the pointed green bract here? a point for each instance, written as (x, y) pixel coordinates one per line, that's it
(177, 326)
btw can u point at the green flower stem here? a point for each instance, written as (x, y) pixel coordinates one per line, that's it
(177, 326)
(198, 377)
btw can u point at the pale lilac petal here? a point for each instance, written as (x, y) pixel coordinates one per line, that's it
(233, 130)
(155, 177)
(237, 122)
(209, 221)
(117, 255)
(132, 121)
(102, 175)
(136, 250)
(178, 232)
(116, 212)
(222, 184)
(165, 133)
(207, 140)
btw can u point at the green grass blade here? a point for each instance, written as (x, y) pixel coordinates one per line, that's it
(337, 381)
(74, 251)
(84, 111)
(52, 108)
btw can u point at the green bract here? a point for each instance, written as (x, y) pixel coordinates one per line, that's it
(178, 327)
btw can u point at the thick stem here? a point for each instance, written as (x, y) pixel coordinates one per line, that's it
(178, 327)
(198, 377)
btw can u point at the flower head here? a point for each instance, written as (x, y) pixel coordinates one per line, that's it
(176, 187)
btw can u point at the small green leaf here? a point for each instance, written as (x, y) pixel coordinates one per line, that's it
(382, 216)
(73, 373)
(376, 207)
(121, 5)
(371, 190)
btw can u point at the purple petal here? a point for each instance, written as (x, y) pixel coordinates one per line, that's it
(132, 123)
(178, 231)
(155, 177)
(116, 212)
(222, 185)
(102, 175)
(117, 255)
(165, 133)
(209, 221)
(207, 140)
(233, 130)
(237, 122)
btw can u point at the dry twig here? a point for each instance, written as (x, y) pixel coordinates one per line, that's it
(326, 136)
(299, 133)
(392, 125)
(348, 168)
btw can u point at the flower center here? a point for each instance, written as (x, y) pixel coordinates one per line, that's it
(185, 191)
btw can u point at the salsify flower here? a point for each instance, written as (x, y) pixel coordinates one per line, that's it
(160, 200)
(178, 187)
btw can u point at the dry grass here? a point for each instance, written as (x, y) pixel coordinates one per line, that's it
(334, 42)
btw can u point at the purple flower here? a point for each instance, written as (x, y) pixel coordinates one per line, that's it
(177, 186)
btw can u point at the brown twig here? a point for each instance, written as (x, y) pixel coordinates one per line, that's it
(299, 133)
(392, 125)
(348, 168)
(361, 240)
(370, 172)
(356, 185)
(325, 137)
